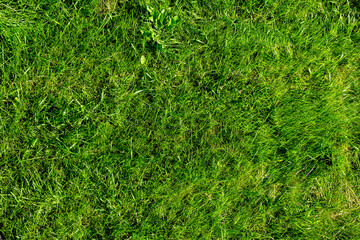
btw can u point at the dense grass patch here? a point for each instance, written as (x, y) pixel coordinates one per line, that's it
(125, 119)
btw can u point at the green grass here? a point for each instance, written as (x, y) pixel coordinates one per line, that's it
(210, 120)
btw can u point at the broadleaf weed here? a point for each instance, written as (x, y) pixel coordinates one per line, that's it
(158, 26)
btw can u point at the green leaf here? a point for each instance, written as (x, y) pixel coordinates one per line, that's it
(143, 60)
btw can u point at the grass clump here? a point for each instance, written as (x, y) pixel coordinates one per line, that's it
(179, 119)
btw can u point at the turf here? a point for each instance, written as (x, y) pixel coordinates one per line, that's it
(134, 119)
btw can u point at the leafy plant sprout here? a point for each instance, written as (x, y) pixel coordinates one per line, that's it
(157, 24)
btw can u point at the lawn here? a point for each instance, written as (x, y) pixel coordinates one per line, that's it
(179, 119)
